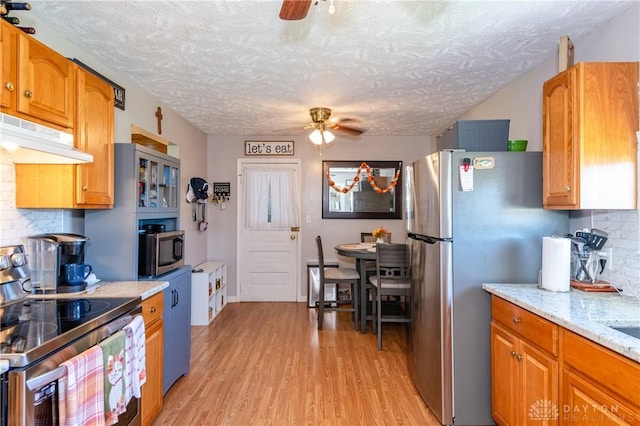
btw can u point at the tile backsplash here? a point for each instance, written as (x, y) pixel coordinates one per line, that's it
(17, 224)
(623, 228)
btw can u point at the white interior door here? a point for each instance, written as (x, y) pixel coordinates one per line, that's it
(268, 248)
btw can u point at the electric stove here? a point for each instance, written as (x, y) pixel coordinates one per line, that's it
(33, 328)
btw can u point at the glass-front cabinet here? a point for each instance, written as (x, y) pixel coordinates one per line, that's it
(157, 181)
(169, 187)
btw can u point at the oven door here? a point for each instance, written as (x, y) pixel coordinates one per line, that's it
(34, 390)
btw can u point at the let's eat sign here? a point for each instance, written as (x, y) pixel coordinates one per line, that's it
(268, 148)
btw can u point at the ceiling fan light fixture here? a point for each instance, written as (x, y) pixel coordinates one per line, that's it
(316, 136)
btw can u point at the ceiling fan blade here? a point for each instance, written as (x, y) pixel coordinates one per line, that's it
(355, 131)
(293, 10)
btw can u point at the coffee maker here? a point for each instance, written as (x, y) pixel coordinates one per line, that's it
(50, 257)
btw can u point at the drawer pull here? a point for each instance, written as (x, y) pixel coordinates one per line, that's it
(516, 320)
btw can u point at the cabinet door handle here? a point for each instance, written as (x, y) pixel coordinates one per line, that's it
(9, 86)
(153, 309)
(567, 188)
(516, 355)
(85, 188)
(516, 320)
(28, 93)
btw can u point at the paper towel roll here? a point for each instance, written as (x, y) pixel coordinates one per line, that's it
(556, 264)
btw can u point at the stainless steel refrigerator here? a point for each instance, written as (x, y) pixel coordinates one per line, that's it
(459, 239)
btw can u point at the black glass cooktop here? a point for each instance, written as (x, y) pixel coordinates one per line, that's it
(32, 327)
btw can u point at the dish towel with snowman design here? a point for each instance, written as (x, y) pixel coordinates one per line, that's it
(114, 371)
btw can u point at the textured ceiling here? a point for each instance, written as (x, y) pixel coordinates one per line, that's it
(403, 67)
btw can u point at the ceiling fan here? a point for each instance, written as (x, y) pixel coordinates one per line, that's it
(322, 123)
(294, 10)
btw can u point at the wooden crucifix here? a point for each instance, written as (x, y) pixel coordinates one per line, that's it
(159, 116)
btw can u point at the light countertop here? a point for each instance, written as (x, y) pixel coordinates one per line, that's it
(143, 289)
(588, 314)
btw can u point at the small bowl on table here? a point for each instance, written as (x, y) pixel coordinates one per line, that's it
(517, 145)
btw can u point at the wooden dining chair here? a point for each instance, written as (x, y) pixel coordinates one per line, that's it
(336, 276)
(392, 278)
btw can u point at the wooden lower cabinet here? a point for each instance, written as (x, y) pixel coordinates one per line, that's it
(524, 381)
(151, 401)
(544, 374)
(598, 385)
(524, 366)
(585, 403)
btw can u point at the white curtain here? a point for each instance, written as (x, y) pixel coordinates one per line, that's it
(270, 198)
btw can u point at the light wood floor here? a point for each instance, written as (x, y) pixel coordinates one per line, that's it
(267, 364)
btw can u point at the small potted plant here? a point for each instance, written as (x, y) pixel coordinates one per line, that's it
(381, 234)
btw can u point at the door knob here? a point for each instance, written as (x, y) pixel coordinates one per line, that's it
(292, 236)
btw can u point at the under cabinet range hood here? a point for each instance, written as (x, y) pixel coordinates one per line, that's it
(26, 142)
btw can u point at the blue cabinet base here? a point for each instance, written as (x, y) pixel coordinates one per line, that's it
(177, 326)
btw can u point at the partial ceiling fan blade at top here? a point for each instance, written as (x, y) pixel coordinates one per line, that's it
(352, 130)
(293, 10)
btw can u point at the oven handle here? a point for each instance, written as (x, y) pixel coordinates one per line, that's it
(46, 378)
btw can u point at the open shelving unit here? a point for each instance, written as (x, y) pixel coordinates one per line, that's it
(209, 291)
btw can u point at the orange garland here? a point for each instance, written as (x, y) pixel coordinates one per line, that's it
(370, 179)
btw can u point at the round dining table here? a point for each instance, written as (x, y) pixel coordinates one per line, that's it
(362, 252)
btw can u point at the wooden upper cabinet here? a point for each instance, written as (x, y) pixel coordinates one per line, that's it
(38, 83)
(590, 120)
(83, 186)
(94, 134)
(9, 49)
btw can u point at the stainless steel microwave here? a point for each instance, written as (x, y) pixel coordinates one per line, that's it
(160, 252)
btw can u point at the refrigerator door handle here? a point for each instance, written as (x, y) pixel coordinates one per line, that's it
(427, 239)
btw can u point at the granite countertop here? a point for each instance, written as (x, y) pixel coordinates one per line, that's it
(588, 314)
(143, 289)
